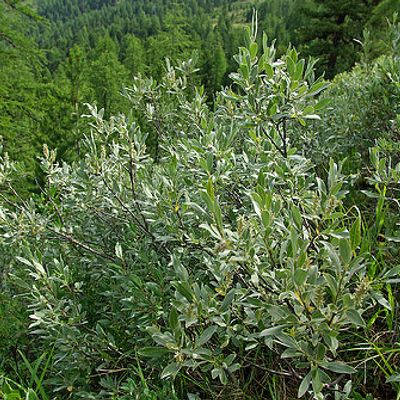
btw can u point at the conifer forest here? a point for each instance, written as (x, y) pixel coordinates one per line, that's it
(200, 199)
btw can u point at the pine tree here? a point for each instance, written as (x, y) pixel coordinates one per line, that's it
(330, 30)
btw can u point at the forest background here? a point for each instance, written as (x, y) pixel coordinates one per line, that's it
(59, 55)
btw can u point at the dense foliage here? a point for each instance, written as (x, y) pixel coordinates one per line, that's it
(186, 241)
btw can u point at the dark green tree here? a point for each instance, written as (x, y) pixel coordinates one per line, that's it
(20, 86)
(174, 42)
(216, 64)
(330, 29)
(107, 76)
(134, 54)
(385, 9)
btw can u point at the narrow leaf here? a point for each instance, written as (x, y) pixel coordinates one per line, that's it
(170, 370)
(272, 331)
(304, 385)
(206, 336)
(339, 367)
(355, 317)
(152, 352)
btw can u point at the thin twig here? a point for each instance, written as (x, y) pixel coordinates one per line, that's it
(84, 246)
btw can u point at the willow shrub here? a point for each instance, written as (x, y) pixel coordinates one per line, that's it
(223, 256)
